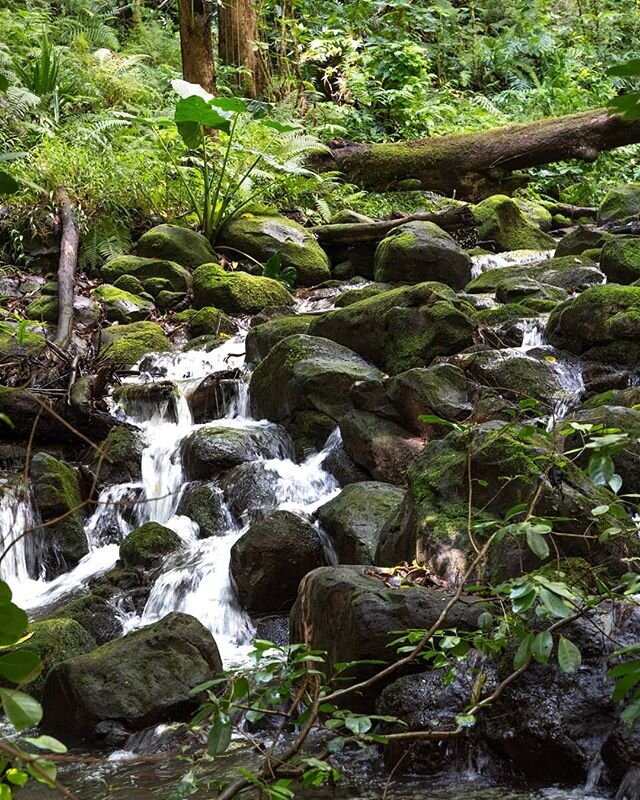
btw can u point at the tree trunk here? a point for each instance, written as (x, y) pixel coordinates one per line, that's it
(66, 269)
(196, 44)
(474, 165)
(237, 37)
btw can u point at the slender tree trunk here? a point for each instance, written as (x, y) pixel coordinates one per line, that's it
(66, 269)
(237, 38)
(474, 165)
(136, 13)
(196, 43)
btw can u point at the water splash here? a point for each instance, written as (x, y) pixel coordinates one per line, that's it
(16, 516)
(515, 258)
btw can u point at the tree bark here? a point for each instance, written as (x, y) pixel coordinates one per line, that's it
(66, 269)
(474, 165)
(196, 43)
(237, 37)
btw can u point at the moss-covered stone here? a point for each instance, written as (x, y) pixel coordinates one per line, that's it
(514, 290)
(148, 271)
(125, 345)
(309, 431)
(620, 259)
(148, 545)
(509, 312)
(44, 308)
(54, 640)
(174, 243)
(577, 241)
(13, 342)
(167, 300)
(263, 236)
(355, 295)
(237, 292)
(131, 284)
(620, 204)
(263, 337)
(93, 611)
(629, 398)
(211, 321)
(121, 306)
(204, 504)
(421, 251)
(535, 213)
(501, 220)
(123, 450)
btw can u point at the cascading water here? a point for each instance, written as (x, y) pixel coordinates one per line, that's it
(16, 517)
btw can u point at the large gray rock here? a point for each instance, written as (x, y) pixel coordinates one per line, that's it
(137, 681)
(620, 204)
(271, 558)
(306, 373)
(421, 251)
(262, 338)
(356, 516)
(620, 260)
(204, 504)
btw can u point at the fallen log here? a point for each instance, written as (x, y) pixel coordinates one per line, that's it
(66, 269)
(349, 233)
(474, 165)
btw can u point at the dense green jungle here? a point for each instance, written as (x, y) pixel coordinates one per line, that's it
(320, 399)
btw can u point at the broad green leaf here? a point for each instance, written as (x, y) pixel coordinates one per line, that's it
(234, 104)
(569, 656)
(4, 83)
(523, 652)
(5, 593)
(17, 777)
(553, 603)
(45, 773)
(601, 469)
(13, 623)
(632, 712)
(537, 543)
(280, 127)
(542, 646)
(624, 685)
(5, 792)
(46, 743)
(219, 736)
(627, 69)
(466, 720)
(358, 725)
(22, 710)
(17, 667)
(196, 110)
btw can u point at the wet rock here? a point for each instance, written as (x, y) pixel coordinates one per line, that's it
(209, 451)
(343, 468)
(263, 236)
(309, 431)
(356, 516)
(271, 558)
(148, 545)
(306, 373)
(629, 788)
(578, 240)
(123, 450)
(236, 292)
(251, 490)
(383, 448)
(403, 328)
(174, 243)
(620, 204)
(211, 321)
(501, 221)
(627, 397)
(273, 628)
(95, 612)
(204, 504)
(136, 681)
(516, 290)
(149, 271)
(572, 273)
(214, 396)
(421, 251)
(262, 338)
(57, 492)
(355, 295)
(350, 614)
(121, 306)
(125, 345)
(604, 378)
(620, 260)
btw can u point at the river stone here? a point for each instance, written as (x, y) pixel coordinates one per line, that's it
(211, 321)
(125, 345)
(535, 213)
(148, 271)
(381, 447)
(523, 290)
(121, 306)
(351, 614)
(603, 323)
(211, 450)
(620, 260)
(578, 240)
(271, 558)
(306, 372)
(237, 292)
(174, 243)
(403, 328)
(355, 517)
(263, 337)
(501, 221)
(263, 236)
(355, 295)
(148, 545)
(93, 611)
(215, 395)
(204, 504)
(421, 251)
(139, 680)
(57, 492)
(620, 204)
(251, 490)
(627, 397)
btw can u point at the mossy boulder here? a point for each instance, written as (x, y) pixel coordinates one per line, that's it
(263, 236)
(620, 204)
(535, 213)
(603, 323)
(121, 306)
(355, 295)
(148, 271)
(123, 448)
(620, 259)
(210, 321)
(500, 220)
(54, 640)
(93, 611)
(421, 251)
(131, 284)
(516, 290)
(306, 372)
(125, 345)
(271, 558)
(403, 328)
(355, 518)
(237, 292)
(44, 308)
(137, 681)
(57, 493)
(204, 504)
(262, 338)
(147, 545)
(13, 343)
(578, 240)
(628, 398)
(566, 272)
(174, 243)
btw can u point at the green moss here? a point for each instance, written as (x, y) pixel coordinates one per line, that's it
(129, 283)
(121, 306)
(576, 572)
(44, 308)
(12, 342)
(148, 271)
(620, 260)
(500, 220)
(211, 321)
(148, 544)
(263, 337)
(127, 344)
(620, 204)
(174, 243)
(504, 313)
(236, 292)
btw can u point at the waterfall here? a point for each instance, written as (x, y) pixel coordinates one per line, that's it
(16, 517)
